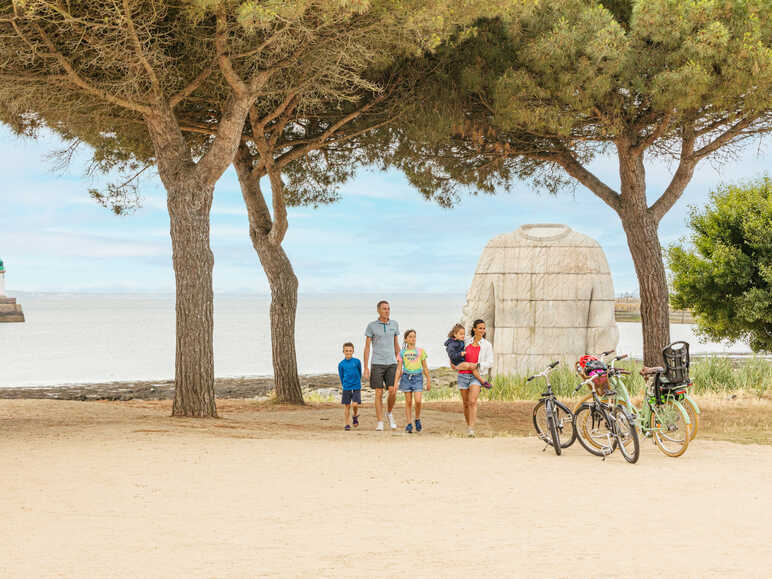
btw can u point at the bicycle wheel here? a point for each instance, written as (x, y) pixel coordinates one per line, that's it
(627, 435)
(694, 417)
(592, 431)
(670, 430)
(564, 420)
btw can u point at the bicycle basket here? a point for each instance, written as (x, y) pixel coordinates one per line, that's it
(676, 357)
(601, 383)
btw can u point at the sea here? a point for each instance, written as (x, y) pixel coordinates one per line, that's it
(83, 338)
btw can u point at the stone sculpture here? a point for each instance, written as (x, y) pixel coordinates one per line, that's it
(545, 293)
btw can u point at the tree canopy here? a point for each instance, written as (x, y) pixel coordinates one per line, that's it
(538, 93)
(724, 274)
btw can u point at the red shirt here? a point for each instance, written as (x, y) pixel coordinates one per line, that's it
(472, 355)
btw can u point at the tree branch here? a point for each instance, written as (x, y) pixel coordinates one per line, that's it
(141, 53)
(78, 81)
(574, 168)
(681, 177)
(191, 87)
(725, 137)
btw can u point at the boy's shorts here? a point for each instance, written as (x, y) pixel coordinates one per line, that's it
(466, 380)
(411, 382)
(350, 396)
(382, 375)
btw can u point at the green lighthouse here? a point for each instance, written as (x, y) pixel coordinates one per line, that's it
(10, 311)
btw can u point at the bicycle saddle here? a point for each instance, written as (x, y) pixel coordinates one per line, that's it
(653, 370)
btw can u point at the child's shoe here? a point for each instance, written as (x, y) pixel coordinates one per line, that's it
(356, 420)
(418, 425)
(487, 385)
(347, 427)
(379, 426)
(409, 428)
(391, 421)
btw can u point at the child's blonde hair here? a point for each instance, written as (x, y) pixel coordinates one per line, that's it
(455, 329)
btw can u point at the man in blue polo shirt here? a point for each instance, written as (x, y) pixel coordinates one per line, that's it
(382, 334)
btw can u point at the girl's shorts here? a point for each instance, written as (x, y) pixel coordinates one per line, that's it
(467, 380)
(411, 382)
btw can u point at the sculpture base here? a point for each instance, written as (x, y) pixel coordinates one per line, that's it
(10, 311)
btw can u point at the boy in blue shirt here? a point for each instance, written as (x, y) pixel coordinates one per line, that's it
(350, 372)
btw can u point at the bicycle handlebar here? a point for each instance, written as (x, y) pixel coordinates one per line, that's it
(620, 357)
(543, 372)
(583, 383)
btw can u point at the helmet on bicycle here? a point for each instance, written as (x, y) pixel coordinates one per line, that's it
(591, 365)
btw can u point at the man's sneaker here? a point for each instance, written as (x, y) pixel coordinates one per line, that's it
(391, 421)
(347, 427)
(379, 426)
(418, 425)
(470, 434)
(409, 428)
(356, 420)
(487, 385)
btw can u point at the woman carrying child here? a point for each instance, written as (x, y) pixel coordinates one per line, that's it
(411, 370)
(477, 360)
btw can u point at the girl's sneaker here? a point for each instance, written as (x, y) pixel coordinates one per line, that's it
(487, 385)
(356, 420)
(347, 427)
(409, 428)
(418, 425)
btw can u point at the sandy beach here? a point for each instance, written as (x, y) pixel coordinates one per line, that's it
(119, 489)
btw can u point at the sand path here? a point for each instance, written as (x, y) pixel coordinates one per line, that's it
(111, 490)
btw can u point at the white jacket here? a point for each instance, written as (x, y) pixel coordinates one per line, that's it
(486, 354)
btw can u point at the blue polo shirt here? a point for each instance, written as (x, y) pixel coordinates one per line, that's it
(382, 336)
(350, 372)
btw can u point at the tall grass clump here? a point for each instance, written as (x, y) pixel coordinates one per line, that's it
(712, 374)
(755, 376)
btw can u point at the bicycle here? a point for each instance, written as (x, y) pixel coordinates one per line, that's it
(553, 414)
(660, 416)
(598, 414)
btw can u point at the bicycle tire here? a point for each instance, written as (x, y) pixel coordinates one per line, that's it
(694, 417)
(674, 416)
(553, 431)
(585, 399)
(584, 412)
(563, 422)
(623, 418)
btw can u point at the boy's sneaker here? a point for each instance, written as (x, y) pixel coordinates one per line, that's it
(379, 426)
(409, 428)
(347, 427)
(418, 425)
(487, 385)
(356, 420)
(470, 434)
(391, 421)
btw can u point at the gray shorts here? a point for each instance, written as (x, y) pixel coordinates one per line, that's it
(467, 380)
(382, 375)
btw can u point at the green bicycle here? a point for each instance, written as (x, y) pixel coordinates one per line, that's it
(667, 412)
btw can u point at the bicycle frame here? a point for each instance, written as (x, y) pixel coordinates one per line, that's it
(643, 415)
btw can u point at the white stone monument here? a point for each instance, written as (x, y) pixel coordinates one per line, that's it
(10, 311)
(545, 293)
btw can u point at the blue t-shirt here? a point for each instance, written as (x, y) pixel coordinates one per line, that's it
(350, 372)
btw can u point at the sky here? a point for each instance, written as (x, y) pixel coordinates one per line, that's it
(381, 237)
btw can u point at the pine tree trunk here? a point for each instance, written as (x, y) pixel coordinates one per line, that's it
(189, 201)
(640, 226)
(284, 303)
(193, 263)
